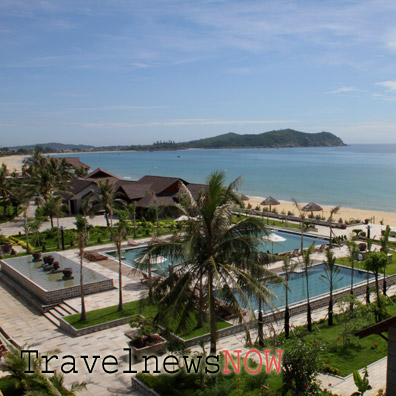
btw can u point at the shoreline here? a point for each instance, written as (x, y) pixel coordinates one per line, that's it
(375, 216)
(14, 162)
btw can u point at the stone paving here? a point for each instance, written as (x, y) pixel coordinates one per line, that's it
(30, 328)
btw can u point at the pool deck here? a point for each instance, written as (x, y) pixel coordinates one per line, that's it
(27, 326)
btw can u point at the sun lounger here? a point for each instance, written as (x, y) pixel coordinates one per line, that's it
(321, 248)
(295, 253)
(132, 242)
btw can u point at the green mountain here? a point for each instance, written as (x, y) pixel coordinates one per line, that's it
(273, 139)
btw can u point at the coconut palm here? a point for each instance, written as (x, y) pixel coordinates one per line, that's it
(121, 232)
(384, 248)
(26, 371)
(301, 214)
(107, 201)
(374, 263)
(53, 207)
(353, 250)
(82, 237)
(331, 275)
(215, 252)
(132, 211)
(307, 263)
(333, 211)
(5, 189)
(288, 268)
(369, 246)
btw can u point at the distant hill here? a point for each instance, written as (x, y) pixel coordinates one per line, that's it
(55, 147)
(273, 139)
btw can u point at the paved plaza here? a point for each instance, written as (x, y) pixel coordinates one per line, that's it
(29, 328)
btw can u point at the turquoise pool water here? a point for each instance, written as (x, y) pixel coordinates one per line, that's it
(317, 285)
(292, 241)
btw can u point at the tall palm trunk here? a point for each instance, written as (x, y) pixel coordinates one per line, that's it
(309, 319)
(57, 232)
(25, 226)
(302, 236)
(287, 312)
(201, 307)
(120, 305)
(368, 289)
(260, 323)
(212, 315)
(83, 316)
(331, 302)
(351, 292)
(134, 222)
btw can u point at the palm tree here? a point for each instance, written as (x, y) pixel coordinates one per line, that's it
(302, 216)
(54, 207)
(307, 263)
(132, 210)
(288, 268)
(107, 201)
(26, 371)
(5, 189)
(155, 206)
(213, 252)
(353, 250)
(374, 263)
(369, 245)
(384, 248)
(331, 273)
(333, 211)
(82, 236)
(119, 237)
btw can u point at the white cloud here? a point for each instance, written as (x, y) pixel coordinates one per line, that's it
(390, 85)
(342, 90)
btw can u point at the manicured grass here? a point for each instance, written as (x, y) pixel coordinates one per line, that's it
(390, 268)
(108, 314)
(361, 353)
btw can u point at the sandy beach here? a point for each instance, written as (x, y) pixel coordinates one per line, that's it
(375, 217)
(14, 162)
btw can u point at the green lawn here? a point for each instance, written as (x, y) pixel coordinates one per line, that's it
(139, 307)
(390, 269)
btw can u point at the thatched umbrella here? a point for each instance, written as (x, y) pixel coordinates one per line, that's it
(312, 207)
(269, 202)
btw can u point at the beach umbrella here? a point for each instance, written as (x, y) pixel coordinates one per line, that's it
(312, 207)
(273, 238)
(270, 201)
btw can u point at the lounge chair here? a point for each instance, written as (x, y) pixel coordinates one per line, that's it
(132, 242)
(295, 252)
(321, 248)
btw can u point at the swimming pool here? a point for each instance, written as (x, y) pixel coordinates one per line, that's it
(291, 242)
(317, 285)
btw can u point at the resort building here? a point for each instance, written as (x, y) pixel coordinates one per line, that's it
(146, 192)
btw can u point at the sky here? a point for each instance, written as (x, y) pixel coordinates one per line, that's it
(110, 72)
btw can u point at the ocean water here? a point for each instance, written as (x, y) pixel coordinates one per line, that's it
(356, 176)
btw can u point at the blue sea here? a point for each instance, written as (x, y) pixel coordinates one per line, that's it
(355, 176)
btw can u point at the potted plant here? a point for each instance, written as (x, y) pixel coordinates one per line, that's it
(145, 340)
